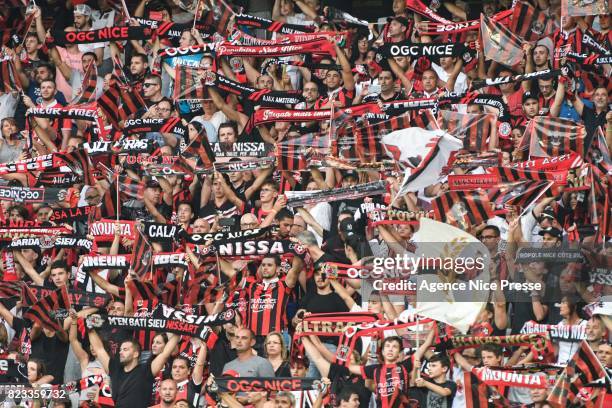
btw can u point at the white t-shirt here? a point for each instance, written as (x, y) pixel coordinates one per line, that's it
(461, 82)
(568, 348)
(76, 82)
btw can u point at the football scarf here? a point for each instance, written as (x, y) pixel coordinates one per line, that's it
(172, 125)
(265, 384)
(30, 195)
(246, 20)
(318, 46)
(510, 378)
(557, 332)
(263, 97)
(86, 111)
(219, 238)
(105, 34)
(49, 309)
(429, 50)
(265, 115)
(93, 262)
(31, 294)
(344, 193)
(435, 28)
(481, 83)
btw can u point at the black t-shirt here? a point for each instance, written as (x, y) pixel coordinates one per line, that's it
(283, 370)
(334, 248)
(341, 378)
(428, 398)
(131, 389)
(220, 354)
(591, 121)
(114, 337)
(53, 352)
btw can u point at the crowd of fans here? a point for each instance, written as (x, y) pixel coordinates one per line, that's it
(275, 291)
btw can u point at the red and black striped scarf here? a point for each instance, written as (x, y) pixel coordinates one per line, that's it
(88, 87)
(41, 311)
(473, 129)
(555, 136)
(254, 22)
(455, 207)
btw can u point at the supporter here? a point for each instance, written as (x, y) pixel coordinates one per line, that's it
(246, 364)
(277, 354)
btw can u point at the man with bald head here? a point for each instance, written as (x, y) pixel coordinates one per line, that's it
(247, 364)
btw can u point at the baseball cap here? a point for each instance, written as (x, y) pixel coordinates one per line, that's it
(529, 95)
(555, 232)
(348, 226)
(547, 213)
(82, 9)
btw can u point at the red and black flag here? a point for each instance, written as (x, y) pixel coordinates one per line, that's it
(218, 15)
(462, 207)
(132, 101)
(599, 155)
(145, 291)
(10, 289)
(200, 149)
(188, 83)
(555, 136)
(499, 43)
(109, 103)
(584, 368)
(88, 87)
(531, 24)
(47, 310)
(142, 254)
(512, 175)
(9, 79)
(473, 129)
(520, 194)
(293, 153)
(78, 161)
(480, 395)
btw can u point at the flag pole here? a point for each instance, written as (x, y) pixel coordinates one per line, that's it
(195, 16)
(118, 203)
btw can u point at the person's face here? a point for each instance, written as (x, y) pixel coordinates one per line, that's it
(43, 214)
(47, 90)
(265, 82)
(181, 404)
(489, 359)
(538, 394)
(267, 194)
(549, 240)
(386, 82)
(59, 277)
(516, 136)
(600, 98)
(319, 282)
(391, 351)
(41, 74)
(180, 370)
(396, 29)
(186, 40)
(473, 109)
(164, 109)
(243, 340)
(594, 330)
(201, 226)
(193, 132)
(31, 44)
(286, 7)
(404, 231)
(86, 61)
(311, 92)
(353, 401)
(531, 108)
(540, 55)
(32, 371)
(435, 369)
(158, 345)
(490, 239)
(332, 79)
(429, 80)
(80, 21)
(15, 216)
(284, 227)
(248, 222)
(375, 305)
(150, 88)
(604, 21)
(546, 87)
(362, 45)
(235, 177)
(349, 181)
(273, 346)
(184, 213)
(567, 22)
(489, 9)
(604, 354)
(116, 309)
(298, 226)
(137, 66)
(168, 391)
(153, 194)
(298, 370)
(208, 106)
(398, 7)
(446, 62)
(127, 353)
(92, 196)
(282, 402)
(227, 135)
(8, 128)
(564, 310)
(268, 268)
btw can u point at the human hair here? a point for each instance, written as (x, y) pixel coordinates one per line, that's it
(346, 393)
(492, 348)
(286, 394)
(307, 238)
(492, 228)
(271, 183)
(359, 244)
(229, 124)
(60, 263)
(92, 54)
(154, 77)
(442, 359)
(134, 344)
(391, 339)
(185, 359)
(23, 212)
(12, 121)
(184, 202)
(275, 258)
(142, 57)
(41, 368)
(284, 351)
(283, 214)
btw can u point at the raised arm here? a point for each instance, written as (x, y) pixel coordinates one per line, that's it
(158, 363)
(347, 72)
(101, 354)
(315, 356)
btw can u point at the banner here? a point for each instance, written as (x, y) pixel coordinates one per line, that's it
(31, 195)
(547, 73)
(471, 181)
(63, 215)
(531, 24)
(106, 34)
(263, 97)
(499, 43)
(246, 20)
(157, 232)
(358, 191)
(241, 149)
(319, 46)
(429, 50)
(265, 384)
(558, 255)
(558, 332)
(172, 125)
(265, 115)
(92, 262)
(510, 378)
(77, 297)
(104, 230)
(219, 238)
